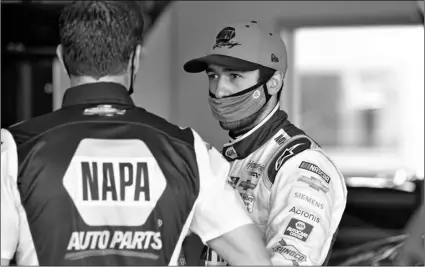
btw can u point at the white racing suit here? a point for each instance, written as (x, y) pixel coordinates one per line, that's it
(291, 189)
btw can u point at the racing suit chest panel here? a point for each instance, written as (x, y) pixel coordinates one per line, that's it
(263, 172)
(58, 137)
(249, 177)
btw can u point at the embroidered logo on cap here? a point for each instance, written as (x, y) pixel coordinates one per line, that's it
(225, 38)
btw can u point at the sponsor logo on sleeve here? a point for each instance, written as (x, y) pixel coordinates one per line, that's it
(315, 169)
(298, 229)
(314, 183)
(309, 215)
(309, 200)
(289, 252)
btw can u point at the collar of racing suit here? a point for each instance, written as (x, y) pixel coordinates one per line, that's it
(247, 143)
(97, 93)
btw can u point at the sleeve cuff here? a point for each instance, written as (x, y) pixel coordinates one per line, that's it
(224, 230)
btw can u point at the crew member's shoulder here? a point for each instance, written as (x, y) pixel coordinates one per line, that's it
(26, 130)
(292, 147)
(164, 126)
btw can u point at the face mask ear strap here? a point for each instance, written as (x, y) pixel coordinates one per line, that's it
(250, 89)
(131, 90)
(266, 92)
(66, 68)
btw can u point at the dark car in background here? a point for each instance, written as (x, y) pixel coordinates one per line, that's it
(381, 252)
(377, 212)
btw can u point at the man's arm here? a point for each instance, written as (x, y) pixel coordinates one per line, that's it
(234, 246)
(308, 199)
(220, 218)
(9, 211)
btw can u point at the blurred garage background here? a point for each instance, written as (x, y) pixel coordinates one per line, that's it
(355, 83)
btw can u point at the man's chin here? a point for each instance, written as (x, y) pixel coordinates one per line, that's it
(229, 126)
(240, 126)
(243, 125)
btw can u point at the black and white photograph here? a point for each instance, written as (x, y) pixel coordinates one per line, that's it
(212, 133)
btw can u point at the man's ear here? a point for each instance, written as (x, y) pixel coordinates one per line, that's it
(59, 53)
(275, 83)
(136, 58)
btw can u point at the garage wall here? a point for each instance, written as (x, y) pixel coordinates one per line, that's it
(187, 27)
(196, 25)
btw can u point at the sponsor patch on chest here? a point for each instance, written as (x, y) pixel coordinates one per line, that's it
(254, 169)
(248, 200)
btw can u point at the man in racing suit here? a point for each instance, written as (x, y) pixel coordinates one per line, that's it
(103, 182)
(291, 188)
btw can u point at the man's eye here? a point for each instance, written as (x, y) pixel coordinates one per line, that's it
(235, 76)
(212, 76)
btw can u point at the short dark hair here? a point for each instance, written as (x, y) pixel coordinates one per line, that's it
(98, 37)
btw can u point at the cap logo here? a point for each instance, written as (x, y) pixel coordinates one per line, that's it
(274, 58)
(225, 38)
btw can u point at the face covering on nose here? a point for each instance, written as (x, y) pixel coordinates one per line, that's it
(240, 105)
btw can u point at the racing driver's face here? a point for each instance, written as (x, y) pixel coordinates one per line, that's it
(225, 82)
